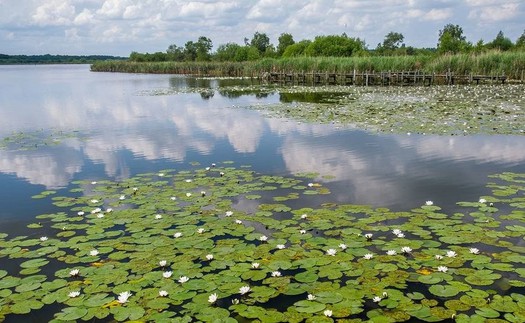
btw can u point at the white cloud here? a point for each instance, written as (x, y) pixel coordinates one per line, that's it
(495, 13)
(84, 18)
(55, 12)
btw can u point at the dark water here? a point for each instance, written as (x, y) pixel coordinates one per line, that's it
(125, 124)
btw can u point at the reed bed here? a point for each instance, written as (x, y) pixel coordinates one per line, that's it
(510, 64)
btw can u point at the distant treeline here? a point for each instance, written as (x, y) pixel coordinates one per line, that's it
(55, 59)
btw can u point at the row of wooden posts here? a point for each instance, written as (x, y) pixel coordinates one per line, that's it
(379, 78)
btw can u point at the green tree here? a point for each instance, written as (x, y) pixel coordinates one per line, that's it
(393, 40)
(296, 49)
(260, 41)
(501, 42)
(333, 45)
(203, 47)
(520, 42)
(452, 40)
(285, 40)
(175, 53)
(227, 52)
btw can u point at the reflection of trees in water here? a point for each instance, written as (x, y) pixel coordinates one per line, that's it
(208, 94)
(236, 93)
(317, 97)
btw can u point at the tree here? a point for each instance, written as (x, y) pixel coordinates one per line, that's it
(175, 53)
(260, 41)
(520, 42)
(296, 49)
(501, 42)
(203, 47)
(452, 40)
(227, 52)
(333, 45)
(393, 40)
(285, 40)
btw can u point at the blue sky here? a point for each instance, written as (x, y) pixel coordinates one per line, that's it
(118, 27)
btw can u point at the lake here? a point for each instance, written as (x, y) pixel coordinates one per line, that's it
(65, 124)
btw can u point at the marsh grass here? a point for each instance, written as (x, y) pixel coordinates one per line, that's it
(510, 64)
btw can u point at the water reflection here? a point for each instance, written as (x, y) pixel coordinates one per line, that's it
(126, 129)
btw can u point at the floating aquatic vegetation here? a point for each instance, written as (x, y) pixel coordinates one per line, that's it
(204, 259)
(35, 139)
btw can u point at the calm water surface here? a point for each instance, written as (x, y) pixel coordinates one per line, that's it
(125, 124)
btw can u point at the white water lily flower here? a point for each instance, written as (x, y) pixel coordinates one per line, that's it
(235, 301)
(161, 174)
(81, 213)
(212, 298)
(304, 216)
(368, 236)
(391, 252)
(255, 265)
(207, 168)
(342, 246)
(429, 203)
(177, 234)
(221, 173)
(74, 272)
(327, 313)
(331, 252)
(44, 238)
(94, 201)
(302, 231)
(438, 257)
(189, 181)
(376, 299)
(401, 235)
(96, 210)
(310, 184)
(93, 252)
(474, 251)
(109, 210)
(163, 263)
(238, 221)
(244, 289)
(281, 246)
(135, 189)
(183, 279)
(213, 165)
(122, 197)
(100, 215)
(229, 213)
(188, 194)
(396, 231)
(200, 230)
(74, 294)
(442, 269)
(451, 254)
(158, 216)
(368, 256)
(163, 293)
(123, 297)
(203, 193)
(311, 297)
(385, 294)
(482, 201)
(94, 182)
(167, 274)
(209, 257)
(276, 273)
(263, 238)
(406, 249)
(173, 198)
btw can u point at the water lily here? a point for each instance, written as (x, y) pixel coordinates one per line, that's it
(276, 273)
(135, 189)
(173, 198)
(177, 234)
(281, 246)
(482, 200)
(163, 293)
(442, 269)
(368, 256)
(167, 274)
(183, 279)
(376, 299)
(212, 298)
(93, 252)
(44, 238)
(229, 213)
(302, 231)
(158, 216)
(188, 194)
(207, 168)
(109, 210)
(213, 165)
(406, 249)
(200, 230)
(96, 210)
(438, 257)
(74, 294)
(163, 263)
(331, 252)
(74, 272)
(304, 216)
(368, 236)
(244, 289)
(221, 174)
(235, 301)
(161, 174)
(100, 215)
(209, 257)
(327, 313)
(238, 221)
(391, 252)
(429, 203)
(311, 297)
(451, 254)
(342, 246)
(94, 182)
(474, 251)
(80, 213)
(123, 297)
(203, 193)
(401, 235)
(188, 181)
(255, 265)
(94, 201)
(122, 197)
(263, 238)
(396, 231)
(310, 184)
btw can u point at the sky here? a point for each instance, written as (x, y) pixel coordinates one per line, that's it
(118, 27)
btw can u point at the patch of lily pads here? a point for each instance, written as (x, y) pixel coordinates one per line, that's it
(176, 246)
(32, 140)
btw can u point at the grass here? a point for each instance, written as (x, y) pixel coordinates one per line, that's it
(510, 64)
